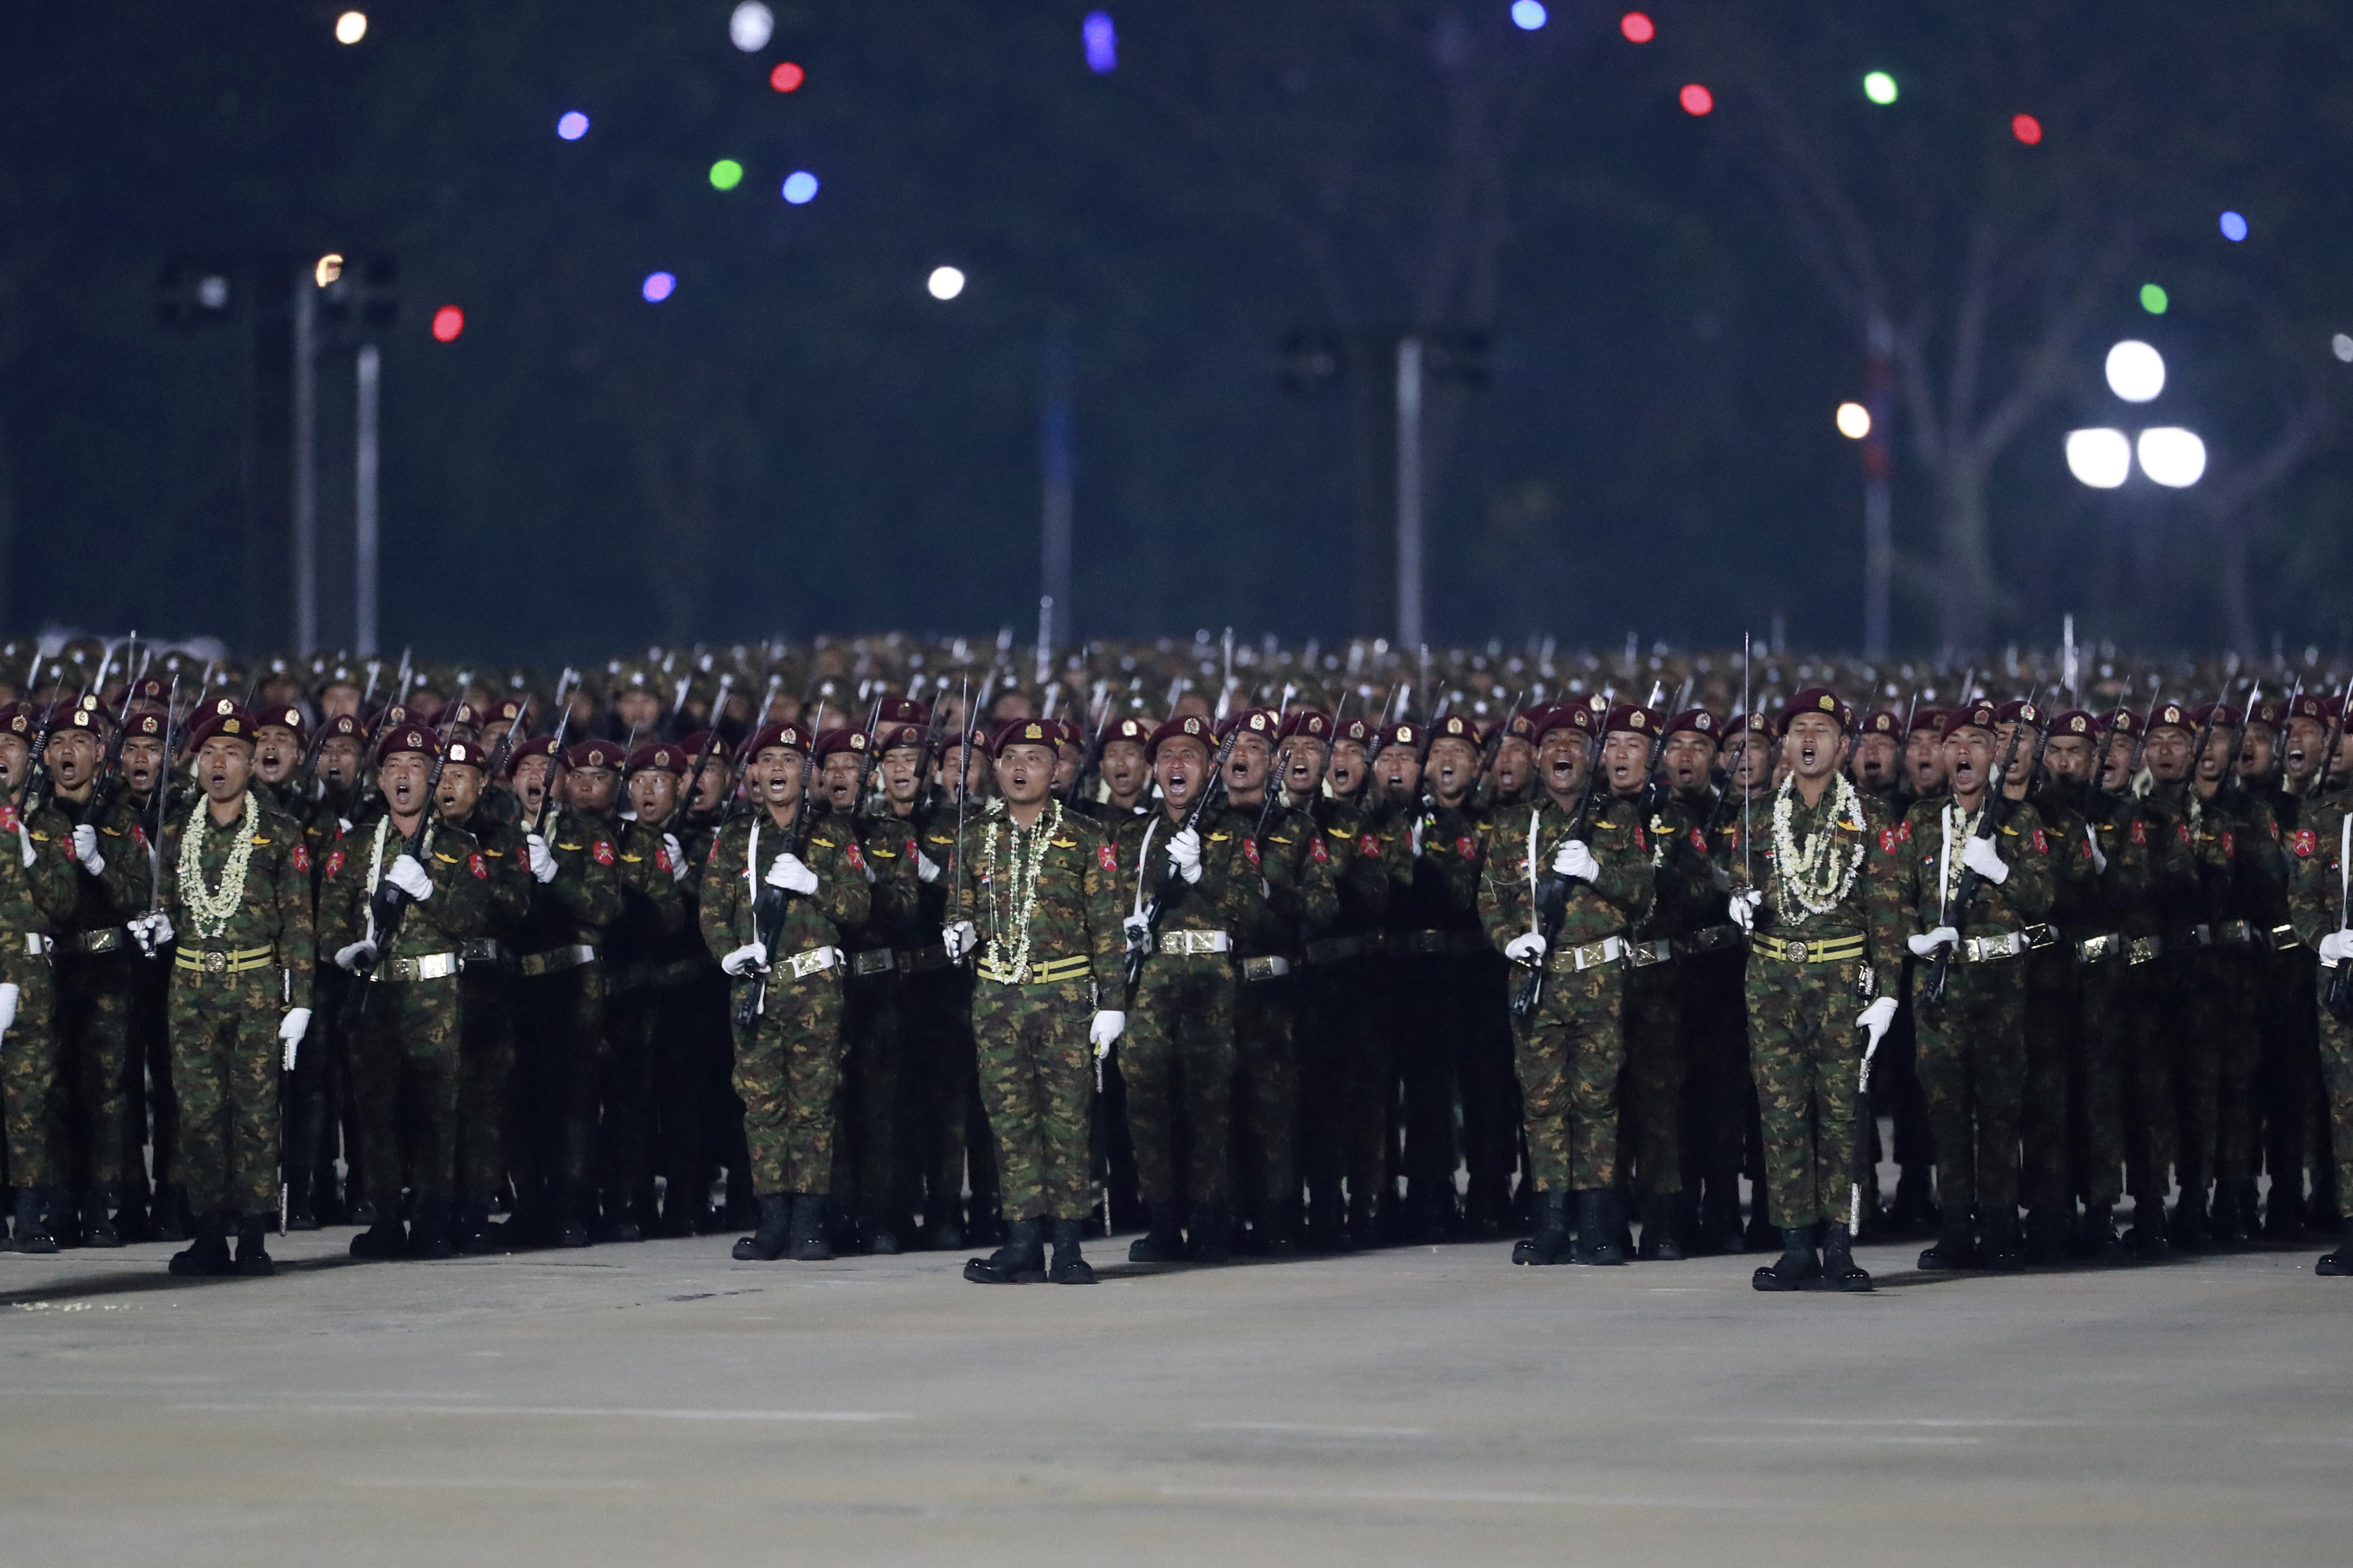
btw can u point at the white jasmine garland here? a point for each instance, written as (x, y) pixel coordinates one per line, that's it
(210, 910)
(1812, 877)
(1018, 903)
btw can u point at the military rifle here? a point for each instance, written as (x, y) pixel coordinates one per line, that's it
(1990, 817)
(387, 903)
(1092, 758)
(1171, 876)
(768, 905)
(2335, 738)
(1552, 891)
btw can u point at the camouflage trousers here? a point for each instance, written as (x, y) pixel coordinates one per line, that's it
(788, 1075)
(2054, 1035)
(1805, 1053)
(1266, 1091)
(1568, 1055)
(28, 1073)
(404, 1057)
(149, 1099)
(2214, 1059)
(93, 1012)
(224, 1059)
(1037, 1084)
(866, 1165)
(486, 1065)
(562, 1056)
(1973, 1070)
(2098, 1062)
(1178, 1059)
(2337, 1073)
(1650, 1087)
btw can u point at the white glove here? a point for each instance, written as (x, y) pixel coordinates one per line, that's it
(1979, 855)
(1136, 929)
(25, 845)
(928, 870)
(150, 932)
(85, 850)
(410, 879)
(678, 866)
(1876, 1019)
(1414, 839)
(786, 871)
(342, 825)
(356, 957)
(543, 858)
(8, 995)
(751, 955)
(1185, 854)
(959, 939)
(2092, 842)
(2335, 946)
(1926, 944)
(1107, 1026)
(1525, 948)
(1745, 909)
(1575, 861)
(291, 1030)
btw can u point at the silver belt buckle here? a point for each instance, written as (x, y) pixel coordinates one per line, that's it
(1795, 952)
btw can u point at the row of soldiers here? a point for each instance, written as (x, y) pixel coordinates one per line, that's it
(1347, 980)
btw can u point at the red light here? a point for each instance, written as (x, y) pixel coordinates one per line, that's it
(1638, 29)
(2026, 128)
(787, 77)
(448, 323)
(1696, 99)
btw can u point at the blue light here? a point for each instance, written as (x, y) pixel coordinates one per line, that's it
(2234, 227)
(1528, 15)
(800, 187)
(573, 126)
(1102, 42)
(657, 286)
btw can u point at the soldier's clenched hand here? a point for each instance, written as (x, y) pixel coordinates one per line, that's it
(1575, 861)
(959, 939)
(751, 955)
(1744, 907)
(543, 858)
(290, 1030)
(787, 872)
(85, 850)
(358, 956)
(1979, 855)
(410, 879)
(1107, 1027)
(1185, 854)
(2335, 946)
(1876, 1019)
(150, 932)
(1527, 948)
(1926, 943)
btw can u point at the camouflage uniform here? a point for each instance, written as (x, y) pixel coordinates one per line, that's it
(319, 1116)
(2157, 989)
(1298, 898)
(1651, 1089)
(1973, 1041)
(1433, 919)
(231, 987)
(2055, 1027)
(33, 901)
(559, 1013)
(789, 1058)
(2289, 1093)
(409, 1029)
(646, 954)
(1341, 1116)
(2318, 865)
(1030, 1021)
(1178, 1052)
(937, 1055)
(867, 1175)
(486, 1045)
(95, 963)
(1571, 1048)
(1811, 974)
(2090, 915)
(698, 1122)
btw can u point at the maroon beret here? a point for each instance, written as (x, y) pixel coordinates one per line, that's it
(1880, 721)
(1929, 718)
(2269, 715)
(1130, 727)
(2171, 716)
(1977, 715)
(2018, 710)
(402, 738)
(662, 757)
(791, 737)
(1695, 721)
(2120, 721)
(222, 716)
(1819, 699)
(1044, 732)
(2309, 705)
(81, 714)
(890, 737)
(146, 721)
(903, 710)
(1263, 722)
(154, 689)
(468, 753)
(287, 718)
(1576, 716)
(1759, 723)
(343, 725)
(16, 719)
(532, 746)
(1411, 736)
(1185, 726)
(2074, 722)
(1455, 727)
(1359, 730)
(1311, 723)
(1633, 717)
(593, 754)
(1522, 725)
(2216, 715)
(835, 742)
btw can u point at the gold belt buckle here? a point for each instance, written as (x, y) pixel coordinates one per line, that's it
(217, 964)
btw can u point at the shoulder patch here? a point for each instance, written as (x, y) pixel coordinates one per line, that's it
(1106, 857)
(478, 867)
(334, 861)
(1699, 841)
(851, 853)
(661, 858)
(2140, 833)
(2230, 844)
(1316, 852)
(1368, 847)
(2307, 842)
(1888, 840)
(139, 835)
(1470, 851)
(2041, 846)
(1250, 848)
(601, 853)
(300, 858)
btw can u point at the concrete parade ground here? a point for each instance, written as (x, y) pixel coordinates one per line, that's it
(661, 1403)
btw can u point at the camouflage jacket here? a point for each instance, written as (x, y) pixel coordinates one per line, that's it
(2317, 864)
(1608, 906)
(736, 873)
(36, 899)
(653, 925)
(579, 907)
(1300, 899)
(1681, 871)
(508, 898)
(275, 912)
(894, 915)
(125, 887)
(1920, 880)
(1360, 875)
(1881, 843)
(1225, 897)
(460, 874)
(1075, 906)
(1436, 887)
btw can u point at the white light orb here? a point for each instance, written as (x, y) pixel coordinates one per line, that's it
(2136, 371)
(944, 283)
(2100, 458)
(2172, 456)
(751, 26)
(351, 27)
(1853, 421)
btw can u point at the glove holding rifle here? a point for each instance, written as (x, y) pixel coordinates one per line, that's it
(1556, 857)
(410, 762)
(1179, 753)
(1983, 838)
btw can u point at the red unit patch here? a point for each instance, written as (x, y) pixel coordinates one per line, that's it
(1368, 847)
(334, 861)
(2307, 843)
(1107, 857)
(2140, 833)
(2042, 847)
(661, 858)
(850, 853)
(1317, 852)
(139, 835)
(1888, 840)
(2230, 844)
(1699, 841)
(478, 867)
(1470, 851)
(603, 852)
(300, 858)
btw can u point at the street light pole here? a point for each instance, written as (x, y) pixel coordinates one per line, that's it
(1878, 489)
(1054, 460)
(305, 541)
(365, 532)
(1408, 492)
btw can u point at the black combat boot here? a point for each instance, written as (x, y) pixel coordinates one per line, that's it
(431, 1233)
(1719, 1216)
(208, 1254)
(1954, 1248)
(2283, 1208)
(944, 1235)
(471, 1234)
(384, 1240)
(808, 1242)
(131, 1220)
(623, 1220)
(1068, 1267)
(565, 1228)
(1598, 1220)
(2246, 1212)
(2189, 1233)
(1659, 1240)
(1797, 1268)
(59, 1213)
(1839, 1270)
(2046, 1233)
(1326, 1233)
(767, 1244)
(1020, 1261)
(1999, 1248)
(2224, 1227)
(1364, 1224)
(2340, 1262)
(1211, 1234)
(32, 1235)
(1913, 1212)
(2098, 1241)
(1551, 1243)
(2148, 1237)
(251, 1260)
(1163, 1243)
(170, 1212)
(1278, 1227)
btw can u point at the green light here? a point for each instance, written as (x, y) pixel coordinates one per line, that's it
(2153, 299)
(726, 175)
(1878, 87)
